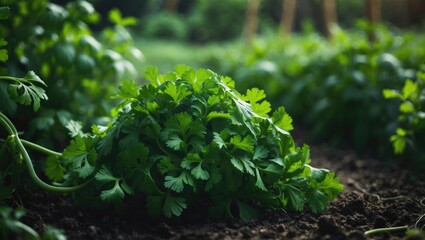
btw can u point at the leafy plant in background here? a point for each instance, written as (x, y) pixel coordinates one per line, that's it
(408, 138)
(340, 82)
(57, 43)
(209, 21)
(165, 25)
(190, 137)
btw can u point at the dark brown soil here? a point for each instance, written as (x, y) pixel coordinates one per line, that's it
(362, 206)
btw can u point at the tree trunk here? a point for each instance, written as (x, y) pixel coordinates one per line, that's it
(373, 13)
(287, 18)
(329, 15)
(251, 21)
(171, 5)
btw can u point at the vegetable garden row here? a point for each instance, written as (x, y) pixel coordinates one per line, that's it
(192, 141)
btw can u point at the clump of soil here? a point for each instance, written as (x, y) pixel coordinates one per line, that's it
(366, 203)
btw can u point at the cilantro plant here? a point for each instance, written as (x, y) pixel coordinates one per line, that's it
(188, 136)
(408, 137)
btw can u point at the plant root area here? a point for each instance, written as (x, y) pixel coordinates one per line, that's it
(376, 195)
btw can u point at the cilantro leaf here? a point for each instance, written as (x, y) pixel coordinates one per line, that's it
(177, 183)
(260, 152)
(128, 91)
(262, 108)
(176, 93)
(247, 143)
(54, 168)
(81, 156)
(200, 173)
(317, 200)
(25, 92)
(173, 206)
(254, 95)
(282, 119)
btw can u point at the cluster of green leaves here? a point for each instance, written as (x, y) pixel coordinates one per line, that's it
(332, 87)
(189, 136)
(57, 42)
(26, 92)
(411, 119)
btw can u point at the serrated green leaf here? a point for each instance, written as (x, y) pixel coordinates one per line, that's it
(128, 90)
(213, 100)
(282, 120)
(27, 94)
(177, 93)
(165, 165)
(200, 173)
(81, 156)
(330, 186)
(243, 164)
(254, 95)
(114, 194)
(219, 141)
(316, 200)
(74, 128)
(177, 183)
(260, 152)
(151, 74)
(174, 142)
(105, 176)
(246, 144)
(296, 198)
(173, 206)
(54, 169)
(262, 108)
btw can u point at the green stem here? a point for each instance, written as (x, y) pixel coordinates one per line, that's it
(13, 79)
(27, 229)
(40, 148)
(382, 230)
(14, 134)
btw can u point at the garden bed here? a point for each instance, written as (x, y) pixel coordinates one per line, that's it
(362, 206)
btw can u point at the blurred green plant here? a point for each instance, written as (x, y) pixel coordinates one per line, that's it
(165, 25)
(334, 88)
(57, 43)
(409, 136)
(210, 21)
(11, 227)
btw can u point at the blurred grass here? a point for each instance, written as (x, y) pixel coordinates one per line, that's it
(166, 54)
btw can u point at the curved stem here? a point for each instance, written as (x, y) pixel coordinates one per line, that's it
(382, 230)
(14, 134)
(40, 148)
(27, 229)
